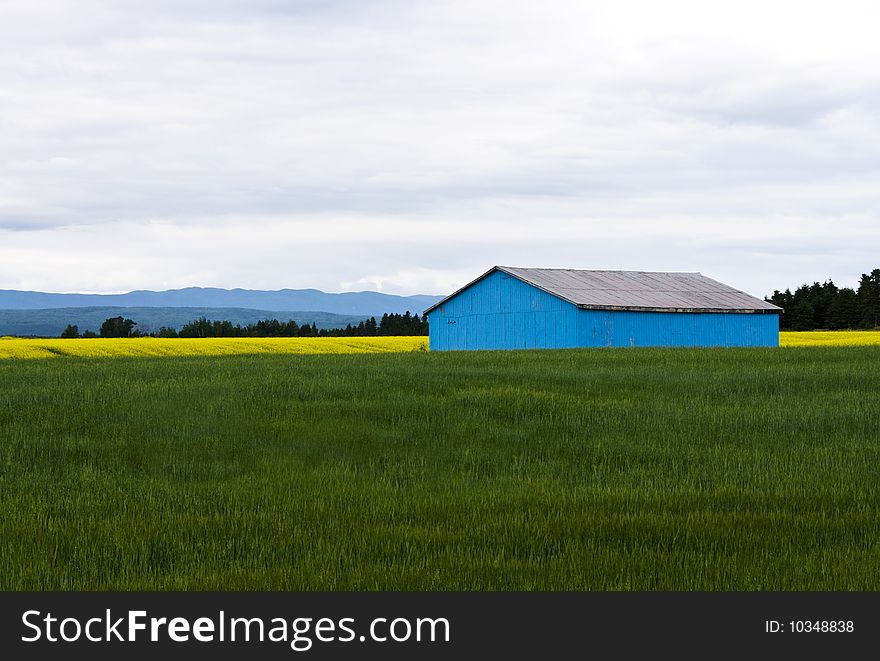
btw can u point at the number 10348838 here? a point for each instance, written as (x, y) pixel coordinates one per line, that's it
(809, 626)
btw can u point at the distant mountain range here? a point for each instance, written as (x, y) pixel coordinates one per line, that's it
(29, 313)
(362, 303)
(50, 322)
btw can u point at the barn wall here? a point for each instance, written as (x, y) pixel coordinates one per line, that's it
(605, 328)
(503, 312)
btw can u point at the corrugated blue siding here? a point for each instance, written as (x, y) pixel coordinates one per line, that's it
(503, 312)
(607, 328)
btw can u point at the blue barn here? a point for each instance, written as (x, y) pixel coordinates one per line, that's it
(523, 308)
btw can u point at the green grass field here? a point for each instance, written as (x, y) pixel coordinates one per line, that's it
(676, 469)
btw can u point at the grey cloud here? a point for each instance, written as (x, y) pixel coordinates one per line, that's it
(277, 114)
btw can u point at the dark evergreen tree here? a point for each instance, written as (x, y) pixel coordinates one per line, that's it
(802, 316)
(843, 313)
(199, 328)
(117, 327)
(783, 300)
(869, 299)
(405, 324)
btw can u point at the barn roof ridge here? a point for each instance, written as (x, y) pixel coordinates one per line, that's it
(647, 291)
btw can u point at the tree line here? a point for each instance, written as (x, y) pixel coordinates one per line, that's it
(389, 324)
(829, 307)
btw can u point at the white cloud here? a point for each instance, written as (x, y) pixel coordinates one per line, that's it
(406, 146)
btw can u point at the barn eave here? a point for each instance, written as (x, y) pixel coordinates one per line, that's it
(633, 308)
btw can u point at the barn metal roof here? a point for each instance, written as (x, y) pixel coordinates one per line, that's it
(635, 290)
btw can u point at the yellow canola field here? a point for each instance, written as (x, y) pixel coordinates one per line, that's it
(150, 346)
(828, 338)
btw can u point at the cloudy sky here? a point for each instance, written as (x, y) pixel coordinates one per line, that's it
(406, 146)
